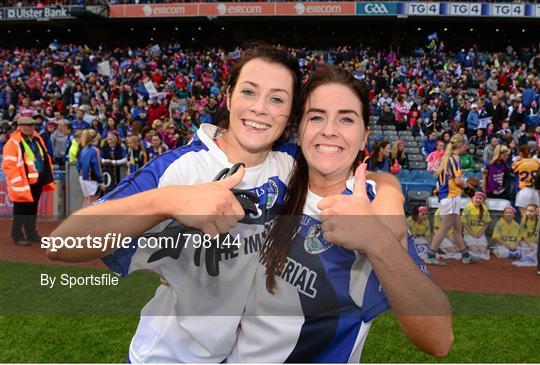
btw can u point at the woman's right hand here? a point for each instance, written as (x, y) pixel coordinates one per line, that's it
(211, 207)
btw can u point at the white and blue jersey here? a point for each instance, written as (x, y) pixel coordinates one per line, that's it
(196, 317)
(325, 299)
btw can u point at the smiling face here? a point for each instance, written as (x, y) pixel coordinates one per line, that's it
(508, 215)
(259, 106)
(478, 201)
(531, 211)
(332, 131)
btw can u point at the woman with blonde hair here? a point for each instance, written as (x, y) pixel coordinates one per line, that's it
(494, 172)
(450, 186)
(136, 155)
(398, 153)
(89, 166)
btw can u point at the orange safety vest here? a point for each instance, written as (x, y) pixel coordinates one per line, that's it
(16, 161)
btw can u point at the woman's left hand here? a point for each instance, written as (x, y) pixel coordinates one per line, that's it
(350, 220)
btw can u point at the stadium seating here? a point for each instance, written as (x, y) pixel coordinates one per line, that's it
(415, 157)
(413, 150)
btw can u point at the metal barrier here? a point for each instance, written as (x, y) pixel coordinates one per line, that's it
(74, 195)
(51, 204)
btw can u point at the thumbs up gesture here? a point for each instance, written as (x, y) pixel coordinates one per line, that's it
(350, 220)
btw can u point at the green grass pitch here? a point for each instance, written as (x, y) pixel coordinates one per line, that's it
(96, 324)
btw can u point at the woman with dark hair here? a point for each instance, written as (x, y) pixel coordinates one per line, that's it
(379, 161)
(317, 287)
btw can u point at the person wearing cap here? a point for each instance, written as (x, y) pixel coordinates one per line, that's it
(29, 172)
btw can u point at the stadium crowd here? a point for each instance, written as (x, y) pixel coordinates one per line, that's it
(128, 106)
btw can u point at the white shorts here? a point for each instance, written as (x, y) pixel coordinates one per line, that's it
(473, 241)
(450, 205)
(527, 196)
(88, 187)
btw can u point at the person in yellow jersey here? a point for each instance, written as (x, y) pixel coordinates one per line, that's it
(420, 229)
(447, 246)
(526, 169)
(475, 218)
(528, 237)
(450, 185)
(505, 235)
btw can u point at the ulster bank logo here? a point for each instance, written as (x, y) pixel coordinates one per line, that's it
(375, 8)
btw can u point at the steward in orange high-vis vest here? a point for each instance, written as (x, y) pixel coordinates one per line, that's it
(28, 170)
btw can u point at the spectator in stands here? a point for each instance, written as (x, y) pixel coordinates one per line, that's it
(400, 109)
(445, 136)
(112, 125)
(29, 172)
(472, 120)
(490, 149)
(46, 134)
(379, 161)
(386, 117)
(156, 148)
(505, 133)
(434, 158)
(526, 168)
(505, 236)
(79, 123)
(414, 116)
(399, 154)
(113, 154)
(430, 143)
(418, 224)
(450, 187)
(529, 231)
(418, 128)
(89, 166)
(467, 159)
(475, 218)
(73, 145)
(479, 140)
(97, 126)
(139, 113)
(136, 155)
(59, 143)
(204, 117)
(495, 172)
(490, 131)
(156, 110)
(520, 131)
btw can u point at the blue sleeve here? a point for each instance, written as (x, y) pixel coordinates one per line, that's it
(96, 168)
(144, 179)
(287, 147)
(123, 151)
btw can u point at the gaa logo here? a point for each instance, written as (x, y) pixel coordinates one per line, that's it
(300, 8)
(222, 9)
(147, 10)
(375, 8)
